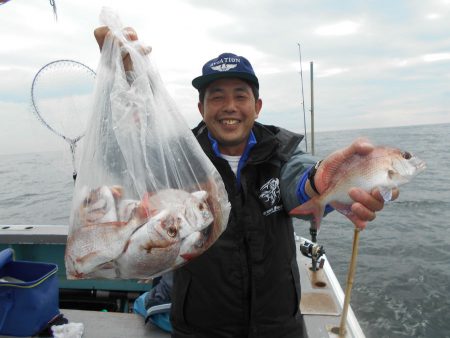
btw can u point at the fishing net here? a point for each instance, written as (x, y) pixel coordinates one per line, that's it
(61, 96)
(147, 199)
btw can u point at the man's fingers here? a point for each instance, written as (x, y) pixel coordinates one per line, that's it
(366, 205)
(395, 192)
(359, 223)
(100, 35)
(130, 34)
(373, 202)
(146, 50)
(360, 146)
(361, 212)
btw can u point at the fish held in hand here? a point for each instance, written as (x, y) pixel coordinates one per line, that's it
(383, 168)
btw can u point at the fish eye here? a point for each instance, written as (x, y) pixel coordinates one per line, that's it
(406, 155)
(200, 244)
(172, 231)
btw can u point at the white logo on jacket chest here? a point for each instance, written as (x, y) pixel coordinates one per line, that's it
(270, 196)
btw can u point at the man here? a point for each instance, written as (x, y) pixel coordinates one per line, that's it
(247, 283)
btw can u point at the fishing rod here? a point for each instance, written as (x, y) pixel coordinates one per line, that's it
(311, 67)
(313, 231)
(303, 95)
(350, 277)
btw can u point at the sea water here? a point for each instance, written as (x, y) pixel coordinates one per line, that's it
(402, 282)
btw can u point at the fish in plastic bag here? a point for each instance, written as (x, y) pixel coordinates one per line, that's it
(147, 199)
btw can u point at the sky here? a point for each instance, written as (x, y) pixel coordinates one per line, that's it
(375, 63)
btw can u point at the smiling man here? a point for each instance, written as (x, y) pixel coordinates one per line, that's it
(247, 284)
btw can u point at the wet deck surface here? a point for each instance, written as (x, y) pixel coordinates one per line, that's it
(113, 324)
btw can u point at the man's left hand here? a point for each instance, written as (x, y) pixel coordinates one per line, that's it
(366, 205)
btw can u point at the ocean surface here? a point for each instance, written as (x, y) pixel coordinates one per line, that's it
(402, 282)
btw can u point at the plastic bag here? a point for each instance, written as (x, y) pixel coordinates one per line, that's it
(147, 199)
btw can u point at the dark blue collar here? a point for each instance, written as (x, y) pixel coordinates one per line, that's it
(251, 142)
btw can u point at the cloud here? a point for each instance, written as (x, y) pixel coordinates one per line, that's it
(341, 28)
(364, 54)
(436, 57)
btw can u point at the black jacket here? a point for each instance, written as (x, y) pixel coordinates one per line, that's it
(247, 283)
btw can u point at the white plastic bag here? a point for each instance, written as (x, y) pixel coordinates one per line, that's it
(147, 199)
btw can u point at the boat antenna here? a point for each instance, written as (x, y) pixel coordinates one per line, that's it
(303, 95)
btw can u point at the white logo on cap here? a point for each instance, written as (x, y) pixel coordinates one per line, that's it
(224, 67)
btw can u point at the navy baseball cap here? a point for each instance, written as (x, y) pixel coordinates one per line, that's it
(225, 65)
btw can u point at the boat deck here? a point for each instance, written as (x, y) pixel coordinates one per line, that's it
(321, 304)
(113, 324)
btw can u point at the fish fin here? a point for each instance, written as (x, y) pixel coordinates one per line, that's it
(314, 207)
(386, 193)
(344, 209)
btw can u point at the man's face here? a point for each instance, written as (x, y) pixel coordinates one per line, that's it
(229, 111)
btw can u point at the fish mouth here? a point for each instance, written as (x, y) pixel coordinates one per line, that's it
(418, 164)
(199, 245)
(207, 231)
(190, 256)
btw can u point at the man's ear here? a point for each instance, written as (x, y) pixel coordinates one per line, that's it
(200, 108)
(258, 106)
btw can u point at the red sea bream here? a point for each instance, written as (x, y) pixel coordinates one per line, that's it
(383, 168)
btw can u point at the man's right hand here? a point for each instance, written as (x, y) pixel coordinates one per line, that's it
(130, 34)
(100, 34)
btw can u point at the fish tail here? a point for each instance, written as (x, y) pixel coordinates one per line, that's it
(312, 207)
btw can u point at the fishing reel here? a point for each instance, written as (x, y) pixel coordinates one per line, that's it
(313, 251)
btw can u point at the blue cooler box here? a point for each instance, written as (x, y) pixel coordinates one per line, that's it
(29, 295)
